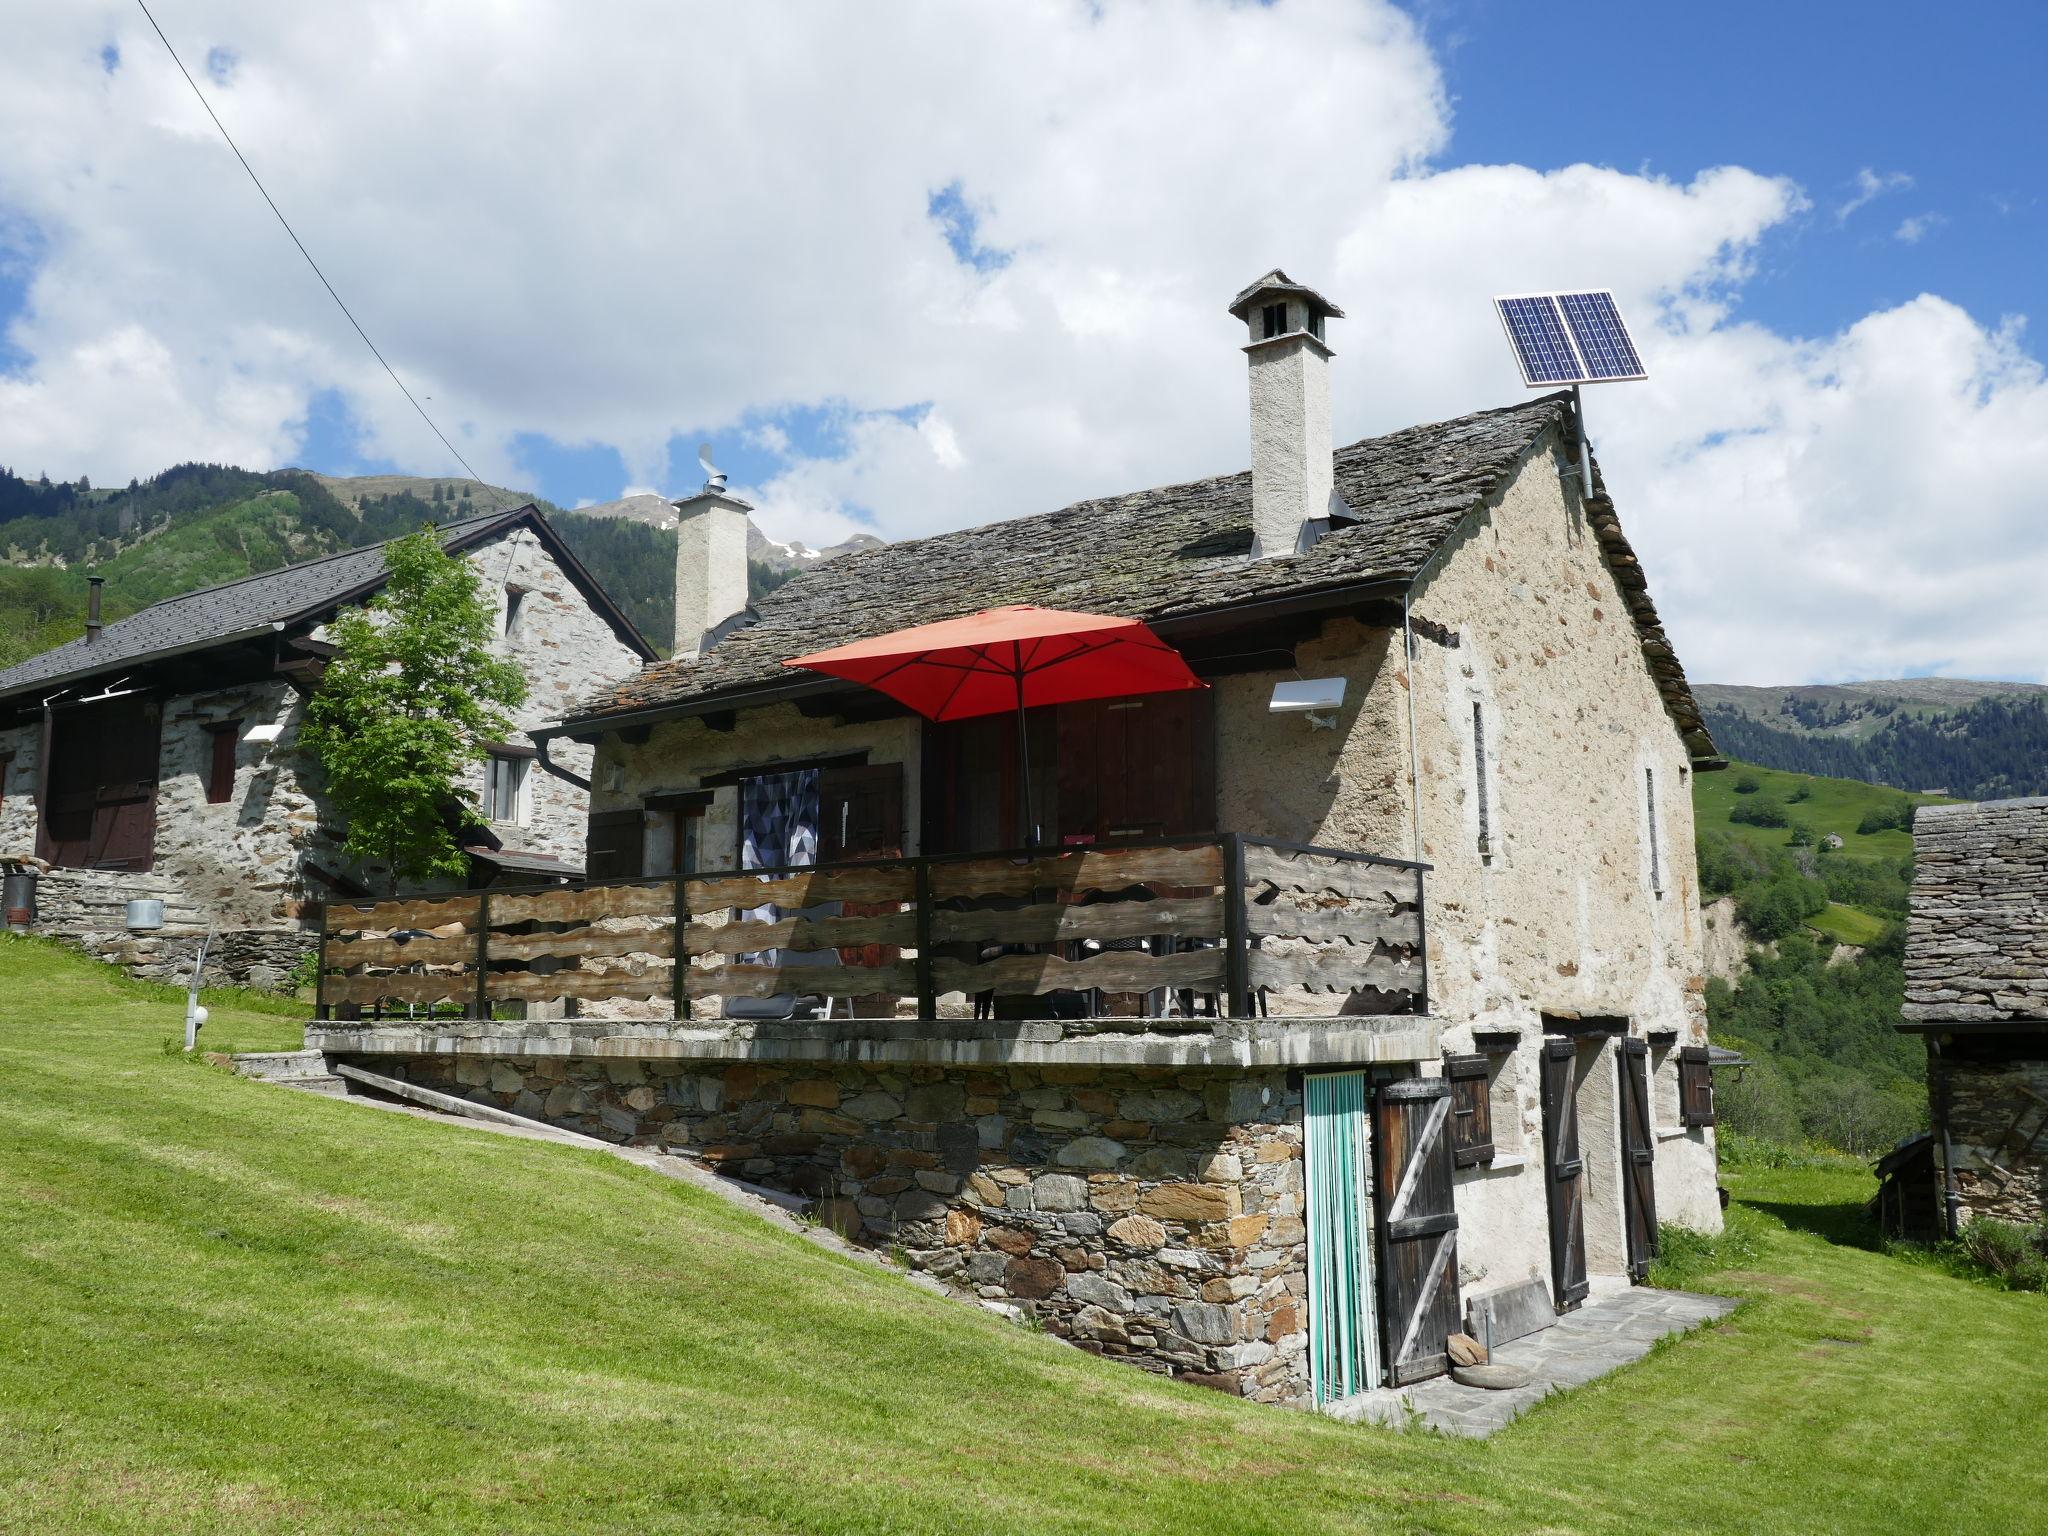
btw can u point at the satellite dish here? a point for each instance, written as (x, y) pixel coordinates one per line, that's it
(714, 477)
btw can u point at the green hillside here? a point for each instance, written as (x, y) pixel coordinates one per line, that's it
(1820, 805)
(230, 1307)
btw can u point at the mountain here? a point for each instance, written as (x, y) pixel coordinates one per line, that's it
(196, 525)
(1974, 740)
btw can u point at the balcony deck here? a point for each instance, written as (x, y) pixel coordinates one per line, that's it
(1221, 949)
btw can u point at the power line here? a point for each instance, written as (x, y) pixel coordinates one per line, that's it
(286, 223)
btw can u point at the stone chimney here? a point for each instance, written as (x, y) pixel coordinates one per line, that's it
(711, 562)
(93, 623)
(1293, 479)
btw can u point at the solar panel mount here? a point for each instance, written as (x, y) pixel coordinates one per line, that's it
(1569, 338)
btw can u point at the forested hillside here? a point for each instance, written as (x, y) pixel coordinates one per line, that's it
(1988, 749)
(1819, 870)
(197, 525)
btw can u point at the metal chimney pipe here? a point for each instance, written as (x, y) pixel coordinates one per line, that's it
(93, 625)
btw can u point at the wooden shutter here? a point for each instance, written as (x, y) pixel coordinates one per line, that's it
(1471, 1110)
(220, 768)
(1695, 1086)
(860, 812)
(1418, 1226)
(1565, 1175)
(1638, 1158)
(614, 848)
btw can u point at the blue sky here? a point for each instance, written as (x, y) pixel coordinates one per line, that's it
(913, 270)
(1954, 98)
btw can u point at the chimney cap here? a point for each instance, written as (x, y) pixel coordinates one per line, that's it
(1279, 282)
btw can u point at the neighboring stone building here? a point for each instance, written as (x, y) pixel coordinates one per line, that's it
(1977, 992)
(158, 755)
(1454, 994)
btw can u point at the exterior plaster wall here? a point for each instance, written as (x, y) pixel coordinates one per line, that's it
(1149, 1214)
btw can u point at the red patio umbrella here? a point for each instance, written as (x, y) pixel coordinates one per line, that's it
(1017, 658)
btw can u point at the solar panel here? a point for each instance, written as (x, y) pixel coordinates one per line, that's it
(1569, 338)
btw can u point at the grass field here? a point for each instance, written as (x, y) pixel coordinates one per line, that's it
(1831, 805)
(227, 1307)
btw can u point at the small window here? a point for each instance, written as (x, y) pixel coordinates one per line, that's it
(508, 798)
(1315, 324)
(616, 847)
(1275, 316)
(1479, 779)
(1650, 811)
(1695, 1086)
(508, 618)
(220, 767)
(1471, 1110)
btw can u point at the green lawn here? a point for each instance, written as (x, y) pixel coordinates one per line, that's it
(1831, 805)
(1848, 925)
(227, 1307)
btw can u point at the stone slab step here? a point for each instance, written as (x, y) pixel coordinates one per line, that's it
(276, 1066)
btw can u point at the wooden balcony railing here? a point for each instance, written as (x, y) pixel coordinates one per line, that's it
(1227, 924)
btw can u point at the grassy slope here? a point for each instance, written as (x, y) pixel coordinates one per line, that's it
(232, 1307)
(1832, 805)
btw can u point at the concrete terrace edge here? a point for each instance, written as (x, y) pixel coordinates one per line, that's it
(1235, 1044)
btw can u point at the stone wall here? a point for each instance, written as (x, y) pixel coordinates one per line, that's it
(1977, 938)
(246, 957)
(1984, 1097)
(1145, 1214)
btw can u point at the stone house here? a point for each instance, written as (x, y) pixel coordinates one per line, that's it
(1287, 1041)
(157, 756)
(1977, 994)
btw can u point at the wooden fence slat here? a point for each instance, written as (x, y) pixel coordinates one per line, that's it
(1048, 922)
(591, 943)
(880, 883)
(1332, 924)
(419, 912)
(402, 987)
(1116, 971)
(1311, 872)
(586, 905)
(800, 980)
(1337, 968)
(1087, 869)
(345, 954)
(748, 938)
(524, 986)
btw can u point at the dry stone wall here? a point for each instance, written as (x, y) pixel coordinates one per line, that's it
(1145, 1214)
(1985, 1098)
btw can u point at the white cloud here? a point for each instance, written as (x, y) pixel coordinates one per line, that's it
(1917, 227)
(617, 224)
(1870, 186)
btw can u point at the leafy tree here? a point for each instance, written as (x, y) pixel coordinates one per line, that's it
(406, 706)
(1748, 784)
(1763, 811)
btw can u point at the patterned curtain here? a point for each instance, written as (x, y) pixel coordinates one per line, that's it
(778, 825)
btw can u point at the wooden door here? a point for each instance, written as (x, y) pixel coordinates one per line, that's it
(1566, 1174)
(1638, 1158)
(99, 810)
(1418, 1226)
(1137, 767)
(1343, 1334)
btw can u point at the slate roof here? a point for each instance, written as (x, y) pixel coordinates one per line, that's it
(1175, 551)
(1977, 934)
(290, 595)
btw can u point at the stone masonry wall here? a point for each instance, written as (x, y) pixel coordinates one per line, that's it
(1984, 1098)
(1146, 1214)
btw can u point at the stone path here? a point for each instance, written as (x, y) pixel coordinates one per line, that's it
(1608, 1332)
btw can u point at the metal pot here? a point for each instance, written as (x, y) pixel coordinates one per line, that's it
(20, 900)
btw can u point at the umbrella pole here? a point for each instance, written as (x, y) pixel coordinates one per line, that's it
(1024, 766)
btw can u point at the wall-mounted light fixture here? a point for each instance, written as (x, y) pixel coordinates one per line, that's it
(1317, 697)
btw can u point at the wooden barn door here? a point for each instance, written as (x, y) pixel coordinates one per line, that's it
(1418, 1226)
(1638, 1158)
(100, 798)
(1566, 1174)
(1343, 1334)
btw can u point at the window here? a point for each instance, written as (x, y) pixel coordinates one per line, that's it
(220, 768)
(1479, 779)
(615, 848)
(507, 796)
(508, 616)
(1275, 317)
(672, 829)
(1650, 810)
(1695, 1086)
(1315, 324)
(1471, 1110)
